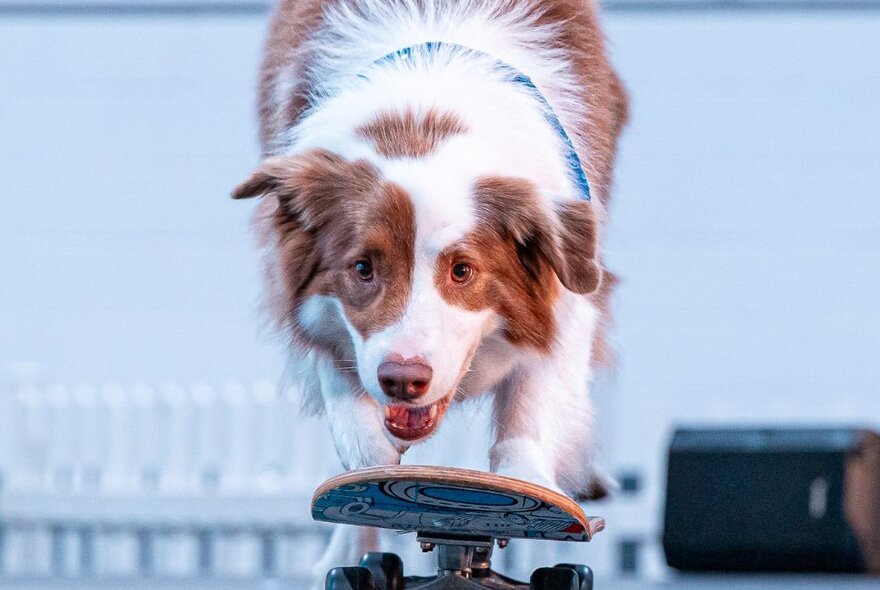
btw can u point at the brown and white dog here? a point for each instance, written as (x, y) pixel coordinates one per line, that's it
(427, 237)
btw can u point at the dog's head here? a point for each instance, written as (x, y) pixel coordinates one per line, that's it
(403, 260)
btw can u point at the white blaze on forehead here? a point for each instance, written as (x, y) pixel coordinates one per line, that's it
(444, 335)
(441, 193)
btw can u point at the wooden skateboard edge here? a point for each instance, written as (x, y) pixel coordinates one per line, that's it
(460, 476)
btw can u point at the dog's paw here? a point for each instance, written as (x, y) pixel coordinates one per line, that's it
(359, 447)
(368, 451)
(522, 459)
(531, 476)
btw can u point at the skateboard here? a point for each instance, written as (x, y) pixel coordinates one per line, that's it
(461, 514)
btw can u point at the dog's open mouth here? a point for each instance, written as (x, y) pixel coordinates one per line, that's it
(412, 423)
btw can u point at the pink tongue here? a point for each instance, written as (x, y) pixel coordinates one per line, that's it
(409, 417)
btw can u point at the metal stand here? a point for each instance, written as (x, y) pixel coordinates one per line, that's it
(463, 563)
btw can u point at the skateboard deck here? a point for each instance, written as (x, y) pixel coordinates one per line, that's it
(444, 500)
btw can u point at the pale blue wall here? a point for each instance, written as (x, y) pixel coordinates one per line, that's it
(745, 220)
(122, 256)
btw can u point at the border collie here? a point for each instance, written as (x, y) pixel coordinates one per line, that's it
(435, 183)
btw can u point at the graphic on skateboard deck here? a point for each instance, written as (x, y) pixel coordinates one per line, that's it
(444, 500)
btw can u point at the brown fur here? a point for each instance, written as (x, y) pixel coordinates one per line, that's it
(568, 242)
(523, 297)
(294, 22)
(605, 99)
(597, 490)
(514, 253)
(409, 135)
(579, 268)
(331, 213)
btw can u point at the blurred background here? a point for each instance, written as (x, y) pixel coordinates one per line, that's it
(146, 436)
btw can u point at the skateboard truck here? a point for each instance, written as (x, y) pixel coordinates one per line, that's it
(460, 515)
(459, 555)
(462, 564)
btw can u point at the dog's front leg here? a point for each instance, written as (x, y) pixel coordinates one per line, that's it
(544, 427)
(359, 435)
(355, 420)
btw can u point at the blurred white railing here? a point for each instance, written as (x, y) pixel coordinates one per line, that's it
(171, 480)
(204, 480)
(202, 439)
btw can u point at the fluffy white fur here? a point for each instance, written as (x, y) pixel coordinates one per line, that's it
(542, 405)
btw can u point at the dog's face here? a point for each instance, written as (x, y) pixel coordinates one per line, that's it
(401, 266)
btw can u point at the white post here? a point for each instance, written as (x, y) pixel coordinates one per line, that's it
(179, 476)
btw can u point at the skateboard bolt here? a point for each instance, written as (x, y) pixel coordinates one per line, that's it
(502, 543)
(426, 546)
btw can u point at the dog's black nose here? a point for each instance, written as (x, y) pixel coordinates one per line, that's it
(405, 380)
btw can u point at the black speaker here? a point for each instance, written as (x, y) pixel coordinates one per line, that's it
(773, 499)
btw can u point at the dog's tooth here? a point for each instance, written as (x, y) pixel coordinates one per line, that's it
(417, 421)
(397, 415)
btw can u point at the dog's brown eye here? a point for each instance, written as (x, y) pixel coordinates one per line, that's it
(364, 270)
(462, 272)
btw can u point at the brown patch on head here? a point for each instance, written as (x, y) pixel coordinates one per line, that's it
(408, 134)
(523, 297)
(565, 239)
(331, 214)
(517, 251)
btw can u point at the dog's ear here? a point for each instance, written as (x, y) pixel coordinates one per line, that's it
(566, 237)
(292, 266)
(269, 178)
(314, 187)
(295, 181)
(576, 259)
(567, 242)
